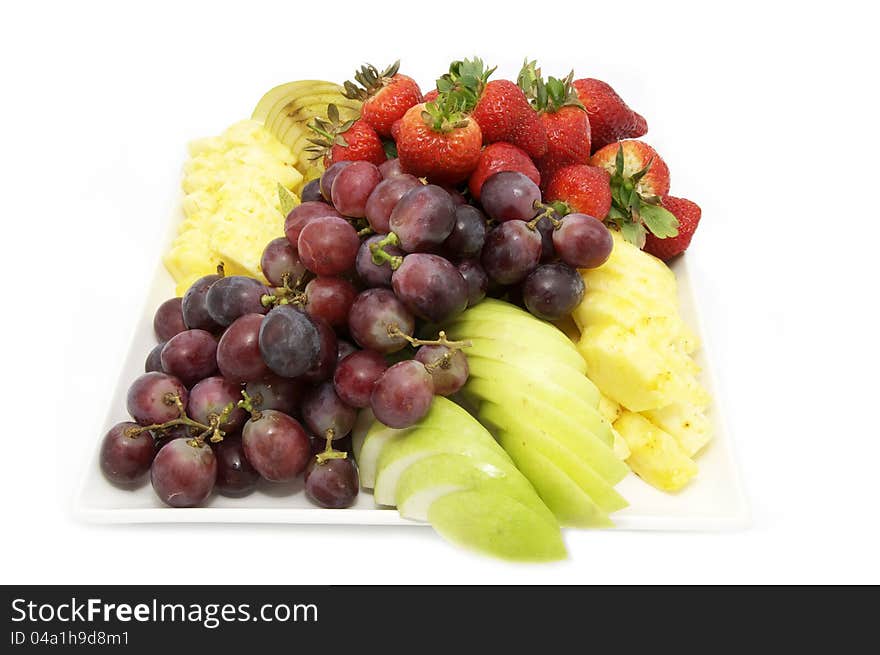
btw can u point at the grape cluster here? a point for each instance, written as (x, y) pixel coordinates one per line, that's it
(253, 382)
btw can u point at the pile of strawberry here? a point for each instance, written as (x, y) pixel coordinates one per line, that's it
(576, 139)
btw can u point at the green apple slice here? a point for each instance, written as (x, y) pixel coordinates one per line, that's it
(496, 524)
(424, 441)
(286, 107)
(285, 92)
(568, 461)
(362, 425)
(377, 437)
(568, 502)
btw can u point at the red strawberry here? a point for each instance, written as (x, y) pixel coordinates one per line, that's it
(563, 117)
(431, 95)
(610, 118)
(636, 156)
(639, 179)
(344, 141)
(386, 96)
(438, 142)
(688, 214)
(500, 107)
(499, 157)
(585, 189)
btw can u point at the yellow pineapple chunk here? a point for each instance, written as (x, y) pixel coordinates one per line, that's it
(687, 423)
(655, 455)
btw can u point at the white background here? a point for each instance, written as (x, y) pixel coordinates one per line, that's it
(765, 112)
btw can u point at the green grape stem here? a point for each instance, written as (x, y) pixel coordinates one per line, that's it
(212, 428)
(330, 452)
(380, 256)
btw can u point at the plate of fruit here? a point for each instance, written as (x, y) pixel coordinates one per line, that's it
(464, 305)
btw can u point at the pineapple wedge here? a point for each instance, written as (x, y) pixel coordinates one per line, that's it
(655, 456)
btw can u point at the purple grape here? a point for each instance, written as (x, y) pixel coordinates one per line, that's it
(403, 395)
(356, 375)
(323, 411)
(273, 392)
(328, 246)
(330, 299)
(384, 199)
(168, 319)
(423, 218)
(125, 459)
(210, 397)
(280, 260)
(476, 279)
(329, 177)
(344, 349)
(333, 483)
(448, 368)
(289, 341)
(510, 196)
(190, 356)
(238, 352)
(150, 398)
(183, 473)
(371, 274)
(235, 475)
(276, 445)
(353, 186)
(373, 314)
(430, 287)
(468, 233)
(582, 241)
(302, 215)
(391, 168)
(311, 191)
(235, 296)
(545, 229)
(154, 359)
(511, 252)
(552, 291)
(327, 351)
(195, 311)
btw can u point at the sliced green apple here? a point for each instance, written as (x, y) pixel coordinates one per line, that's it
(496, 524)
(377, 437)
(284, 93)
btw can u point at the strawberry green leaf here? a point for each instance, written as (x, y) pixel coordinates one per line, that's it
(634, 233)
(662, 222)
(286, 199)
(618, 162)
(390, 148)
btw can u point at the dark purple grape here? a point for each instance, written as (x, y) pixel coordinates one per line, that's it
(373, 314)
(126, 458)
(391, 168)
(430, 287)
(512, 251)
(403, 395)
(456, 196)
(151, 398)
(329, 177)
(235, 475)
(195, 311)
(352, 186)
(384, 199)
(356, 375)
(343, 349)
(273, 392)
(289, 341)
(327, 351)
(552, 291)
(333, 483)
(154, 359)
(235, 296)
(168, 319)
(582, 241)
(183, 473)
(476, 279)
(323, 411)
(468, 233)
(373, 275)
(510, 196)
(238, 352)
(311, 191)
(448, 368)
(280, 260)
(545, 229)
(302, 215)
(330, 299)
(328, 246)
(190, 356)
(210, 397)
(276, 445)
(423, 218)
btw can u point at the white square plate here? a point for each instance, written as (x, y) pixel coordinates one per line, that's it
(713, 501)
